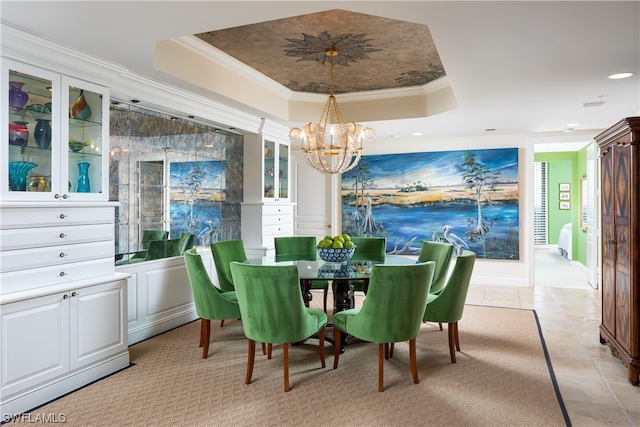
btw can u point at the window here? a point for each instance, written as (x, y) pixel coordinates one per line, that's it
(540, 206)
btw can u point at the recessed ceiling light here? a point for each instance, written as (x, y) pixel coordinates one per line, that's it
(620, 76)
(394, 136)
(573, 125)
(490, 130)
(417, 134)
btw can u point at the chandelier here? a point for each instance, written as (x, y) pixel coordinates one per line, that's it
(331, 145)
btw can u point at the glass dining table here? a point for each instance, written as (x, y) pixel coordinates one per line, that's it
(341, 275)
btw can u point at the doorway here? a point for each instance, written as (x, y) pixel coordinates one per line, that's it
(553, 266)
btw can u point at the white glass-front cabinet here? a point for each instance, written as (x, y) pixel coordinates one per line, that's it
(267, 211)
(276, 170)
(56, 137)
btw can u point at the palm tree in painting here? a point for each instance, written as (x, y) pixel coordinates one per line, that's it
(478, 177)
(362, 182)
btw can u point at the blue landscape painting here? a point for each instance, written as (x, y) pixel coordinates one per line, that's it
(468, 198)
(196, 197)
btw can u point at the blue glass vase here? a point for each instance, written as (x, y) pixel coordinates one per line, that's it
(18, 172)
(42, 133)
(83, 185)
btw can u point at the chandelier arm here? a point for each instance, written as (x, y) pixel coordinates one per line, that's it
(331, 145)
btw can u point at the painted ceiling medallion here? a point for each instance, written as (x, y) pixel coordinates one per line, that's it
(376, 53)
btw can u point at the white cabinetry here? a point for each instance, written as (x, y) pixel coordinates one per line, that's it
(49, 244)
(55, 343)
(53, 149)
(266, 211)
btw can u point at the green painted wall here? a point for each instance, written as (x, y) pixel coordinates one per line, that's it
(569, 166)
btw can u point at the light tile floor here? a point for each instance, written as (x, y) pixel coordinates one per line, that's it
(593, 383)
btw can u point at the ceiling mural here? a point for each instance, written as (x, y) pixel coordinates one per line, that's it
(374, 53)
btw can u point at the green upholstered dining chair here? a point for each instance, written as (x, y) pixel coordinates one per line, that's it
(441, 253)
(211, 303)
(148, 236)
(163, 249)
(300, 248)
(273, 311)
(224, 253)
(392, 312)
(187, 240)
(448, 305)
(367, 249)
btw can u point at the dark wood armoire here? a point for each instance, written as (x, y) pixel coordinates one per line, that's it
(620, 186)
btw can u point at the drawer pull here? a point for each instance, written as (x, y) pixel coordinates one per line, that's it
(62, 274)
(62, 216)
(62, 235)
(62, 255)
(57, 196)
(65, 296)
(73, 294)
(65, 196)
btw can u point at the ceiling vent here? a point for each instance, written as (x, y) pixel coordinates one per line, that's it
(593, 104)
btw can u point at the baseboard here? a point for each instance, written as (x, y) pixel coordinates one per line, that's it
(152, 329)
(43, 393)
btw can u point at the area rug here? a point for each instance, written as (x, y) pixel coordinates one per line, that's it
(501, 378)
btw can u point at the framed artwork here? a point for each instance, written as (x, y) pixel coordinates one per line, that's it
(565, 206)
(565, 195)
(469, 198)
(565, 186)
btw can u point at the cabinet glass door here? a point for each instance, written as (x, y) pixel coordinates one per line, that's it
(30, 126)
(84, 138)
(283, 174)
(269, 169)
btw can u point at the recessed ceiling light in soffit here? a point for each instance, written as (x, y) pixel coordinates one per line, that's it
(386, 69)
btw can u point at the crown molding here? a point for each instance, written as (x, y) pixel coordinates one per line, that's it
(23, 46)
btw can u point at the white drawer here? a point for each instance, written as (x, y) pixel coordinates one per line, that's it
(277, 210)
(54, 255)
(53, 217)
(272, 230)
(54, 236)
(276, 220)
(45, 276)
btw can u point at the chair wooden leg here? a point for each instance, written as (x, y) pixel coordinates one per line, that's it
(386, 350)
(452, 338)
(201, 332)
(381, 356)
(391, 350)
(457, 337)
(251, 356)
(440, 325)
(326, 291)
(285, 347)
(269, 350)
(413, 361)
(321, 345)
(264, 349)
(336, 346)
(206, 334)
(222, 323)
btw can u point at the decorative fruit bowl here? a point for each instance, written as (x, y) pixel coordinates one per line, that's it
(336, 271)
(335, 254)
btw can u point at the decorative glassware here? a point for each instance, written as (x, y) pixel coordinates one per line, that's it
(18, 172)
(80, 109)
(18, 133)
(39, 183)
(83, 185)
(42, 133)
(17, 97)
